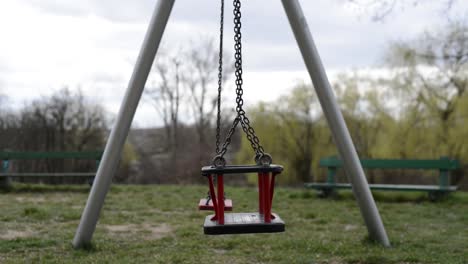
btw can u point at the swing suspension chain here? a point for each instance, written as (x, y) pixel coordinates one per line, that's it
(220, 78)
(244, 120)
(241, 115)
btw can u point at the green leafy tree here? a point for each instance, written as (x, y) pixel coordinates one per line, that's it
(287, 130)
(431, 78)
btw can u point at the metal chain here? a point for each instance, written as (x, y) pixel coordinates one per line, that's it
(220, 78)
(241, 115)
(245, 122)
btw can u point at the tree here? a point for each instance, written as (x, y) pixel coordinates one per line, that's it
(367, 112)
(296, 112)
(431, 75)
(165, 94)
(287, 129)
(185, 82)
(430, 78)
(381, 9)
(7, 119)
(202, 82)
(65, 121)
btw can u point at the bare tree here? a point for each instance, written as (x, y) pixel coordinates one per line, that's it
(381, 9)
(432, 79)
(165, 94)
(5, 116)
(201, 81)
(185, 85)
(65, 121)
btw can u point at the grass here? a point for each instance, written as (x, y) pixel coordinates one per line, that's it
(160, 224)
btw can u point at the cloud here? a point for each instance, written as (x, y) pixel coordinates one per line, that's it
(93, 44)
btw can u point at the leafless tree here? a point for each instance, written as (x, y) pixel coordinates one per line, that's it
(185, 84)
(381, 9)
(201, 80)
(165, 94)
(65, 121)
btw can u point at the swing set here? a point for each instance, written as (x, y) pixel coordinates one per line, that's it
(263, 221)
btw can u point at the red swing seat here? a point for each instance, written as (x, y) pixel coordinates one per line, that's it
(263, 221)
(206, 204)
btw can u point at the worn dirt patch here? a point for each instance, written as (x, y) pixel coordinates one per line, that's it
(159, 231)
(23, 199)
(350, 227)
(120, 228)
(148, 231)
(61, 199)
(14, 234)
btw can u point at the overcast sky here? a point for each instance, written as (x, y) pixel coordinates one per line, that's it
(92, 44)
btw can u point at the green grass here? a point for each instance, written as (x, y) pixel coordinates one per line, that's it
(161, 224)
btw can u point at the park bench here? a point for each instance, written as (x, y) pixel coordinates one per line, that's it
(444, 165)
(7, 157)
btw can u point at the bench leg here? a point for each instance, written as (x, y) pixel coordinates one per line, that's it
(5, 183)
(326, 192)
(435, 196)
(91, 181)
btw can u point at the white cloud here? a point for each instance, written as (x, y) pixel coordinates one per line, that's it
(93, 44)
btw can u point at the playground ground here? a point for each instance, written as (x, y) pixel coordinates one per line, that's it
(161, 224)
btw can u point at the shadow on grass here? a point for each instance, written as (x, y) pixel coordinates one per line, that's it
(85, 248)
(368, 242)
(45, 188)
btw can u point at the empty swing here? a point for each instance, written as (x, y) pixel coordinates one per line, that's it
(263, 221)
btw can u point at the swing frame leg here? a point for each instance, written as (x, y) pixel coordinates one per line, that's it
(335, 119)
(119, 132)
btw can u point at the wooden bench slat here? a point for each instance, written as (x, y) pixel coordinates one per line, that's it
(397, 187)
(68, 174)
(7, 155)
(448, 164)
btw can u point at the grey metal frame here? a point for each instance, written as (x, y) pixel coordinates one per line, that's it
(336, 122)
(114, 146)
(325, 94)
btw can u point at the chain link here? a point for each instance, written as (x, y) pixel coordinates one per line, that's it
(241, 115)
(220, 77)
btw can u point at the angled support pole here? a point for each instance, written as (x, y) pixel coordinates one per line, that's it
(121, 128)
(336, 122)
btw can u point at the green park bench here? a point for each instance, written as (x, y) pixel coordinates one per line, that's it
(7, 157)
(444, 165)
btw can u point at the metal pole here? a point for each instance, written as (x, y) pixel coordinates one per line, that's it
(336, 122)
(119, 133)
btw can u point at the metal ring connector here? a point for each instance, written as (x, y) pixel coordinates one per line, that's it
(257, 157)
(219, 161)
(265, 159)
